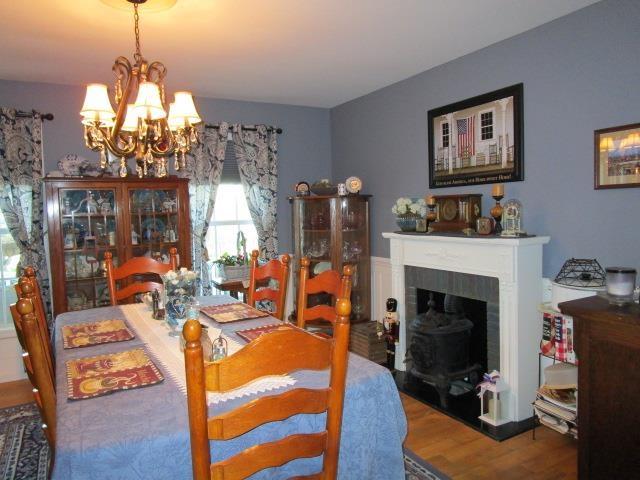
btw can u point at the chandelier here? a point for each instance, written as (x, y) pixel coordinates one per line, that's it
(141, 129)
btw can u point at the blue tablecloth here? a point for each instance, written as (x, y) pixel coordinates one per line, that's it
(144, 433)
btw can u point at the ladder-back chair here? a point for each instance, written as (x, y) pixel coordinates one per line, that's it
(276, 269)
(136, 266)
(280, 352)
(328, 282)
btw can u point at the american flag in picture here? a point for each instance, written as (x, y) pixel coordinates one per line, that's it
(466, 134)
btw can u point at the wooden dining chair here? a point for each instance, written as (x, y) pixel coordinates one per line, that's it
(136, 266)
(328, 282)
(280, 352)
(276, 269)
(24, 315)
(25, 290)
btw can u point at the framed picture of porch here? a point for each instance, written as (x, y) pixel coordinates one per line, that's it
(617, 157)
(478, 140)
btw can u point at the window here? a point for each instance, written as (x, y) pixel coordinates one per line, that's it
(231, 213)
(230, 216)
(10, 256)
(486, 125)
(445, 134)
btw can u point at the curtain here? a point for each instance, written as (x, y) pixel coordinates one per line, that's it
(204, 168)
(21, 191)
(257, 154)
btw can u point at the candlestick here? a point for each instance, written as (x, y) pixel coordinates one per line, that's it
(497, 190)
(431, 200)
(496, 213)
(431, 216)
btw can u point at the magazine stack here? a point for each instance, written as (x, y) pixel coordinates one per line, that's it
(556, 404)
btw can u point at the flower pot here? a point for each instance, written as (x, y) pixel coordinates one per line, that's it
(407, 223)
(236, 272)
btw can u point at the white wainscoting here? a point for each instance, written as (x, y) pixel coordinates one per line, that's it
(380, 286)
(11, 367)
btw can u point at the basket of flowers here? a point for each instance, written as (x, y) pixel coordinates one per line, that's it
(408, 211)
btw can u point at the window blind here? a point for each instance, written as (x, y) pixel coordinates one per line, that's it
(230, 172)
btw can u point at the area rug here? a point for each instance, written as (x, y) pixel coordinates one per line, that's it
(415, 468)
(24, 452)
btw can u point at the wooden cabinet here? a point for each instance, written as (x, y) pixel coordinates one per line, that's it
(333, 231)
(608, 349)
(129, 217)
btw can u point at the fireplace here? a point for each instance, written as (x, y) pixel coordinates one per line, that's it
(504, 273)
(440, 348)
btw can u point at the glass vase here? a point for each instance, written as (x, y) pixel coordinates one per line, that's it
(179, 295)
(407, 223)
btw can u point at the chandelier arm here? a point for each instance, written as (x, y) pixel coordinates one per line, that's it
(156, 72)
(171, 143)
(122, 66)
(120, 152)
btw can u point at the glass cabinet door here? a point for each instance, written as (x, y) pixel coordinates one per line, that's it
(154, 222)
(316, 242)
(88, 226)
(355, 252)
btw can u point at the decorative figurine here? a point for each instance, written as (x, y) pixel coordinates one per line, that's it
(66, 205)
(390, 330)
(155, 302)
(134, 237)
(92, 205)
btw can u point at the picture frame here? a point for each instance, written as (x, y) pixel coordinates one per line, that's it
(616, 154)
(478, 140)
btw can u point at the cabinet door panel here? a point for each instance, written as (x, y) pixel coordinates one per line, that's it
(89, 228)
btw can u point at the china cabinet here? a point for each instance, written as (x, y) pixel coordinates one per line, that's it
(333, 231)
(128, 217)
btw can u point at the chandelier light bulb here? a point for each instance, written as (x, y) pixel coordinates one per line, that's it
(185, 108)
(130, 120)
(175, 121)
(97, 107)
(148, 104)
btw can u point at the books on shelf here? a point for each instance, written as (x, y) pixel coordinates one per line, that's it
(557, 335)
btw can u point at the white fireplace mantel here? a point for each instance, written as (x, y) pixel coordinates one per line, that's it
(517, 264)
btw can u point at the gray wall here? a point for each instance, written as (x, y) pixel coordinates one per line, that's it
(580, 73)
(304, 147)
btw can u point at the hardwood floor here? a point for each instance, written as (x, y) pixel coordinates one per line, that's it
(463, 453)
(453, 448)
(15, 393)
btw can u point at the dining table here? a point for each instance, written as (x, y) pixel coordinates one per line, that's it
(143, 433)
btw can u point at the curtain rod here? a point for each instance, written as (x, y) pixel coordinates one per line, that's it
(43, 116)
(278, 130)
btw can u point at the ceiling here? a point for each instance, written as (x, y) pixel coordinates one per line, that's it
(302, 52)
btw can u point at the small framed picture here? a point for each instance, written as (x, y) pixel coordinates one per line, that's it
(617, 157)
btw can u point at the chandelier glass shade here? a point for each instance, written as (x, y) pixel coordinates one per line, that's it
(142, 129)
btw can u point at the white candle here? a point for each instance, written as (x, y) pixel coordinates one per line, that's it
(621, 281)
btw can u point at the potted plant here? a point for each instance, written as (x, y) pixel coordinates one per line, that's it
(233, 267)
(407, 211)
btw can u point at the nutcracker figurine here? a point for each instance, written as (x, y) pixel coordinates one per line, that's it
(390, 329)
